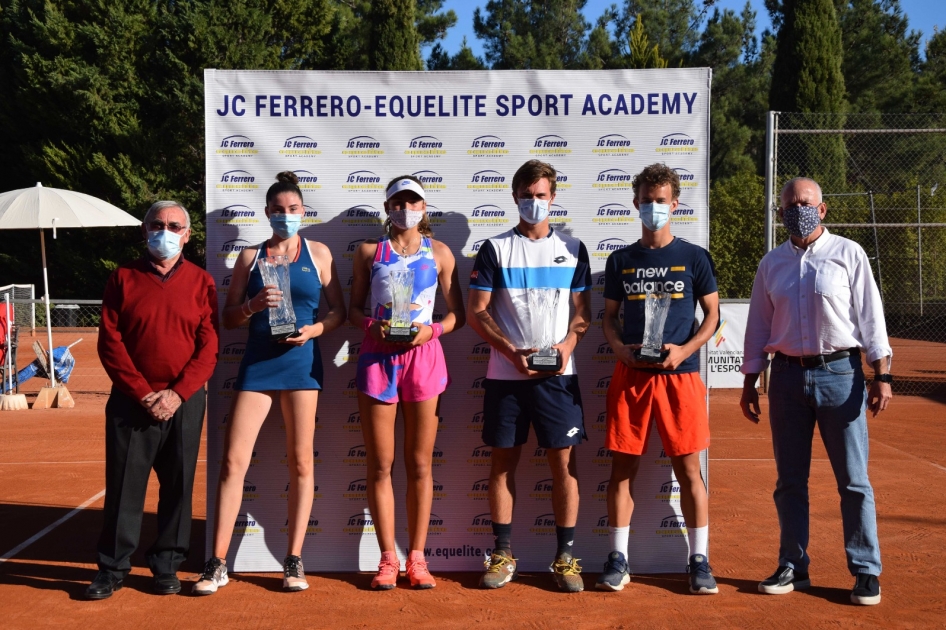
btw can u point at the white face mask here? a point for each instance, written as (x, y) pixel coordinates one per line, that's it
(406, 219)
(654, 215)
(533, 210)
(164, 244)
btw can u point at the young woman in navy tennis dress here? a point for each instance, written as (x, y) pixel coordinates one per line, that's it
(286, 372)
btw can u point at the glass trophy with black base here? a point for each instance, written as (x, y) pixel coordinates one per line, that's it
(402, 290)
(656, 307)
(282, 317)
(542, 305)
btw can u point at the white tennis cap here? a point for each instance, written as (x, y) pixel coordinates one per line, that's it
(405, 184)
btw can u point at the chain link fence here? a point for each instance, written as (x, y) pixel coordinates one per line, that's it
(74, 325)
(884, 182)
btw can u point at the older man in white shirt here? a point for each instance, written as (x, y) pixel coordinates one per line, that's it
(815, 307)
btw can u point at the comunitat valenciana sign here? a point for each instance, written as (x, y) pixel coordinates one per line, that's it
(464, 135)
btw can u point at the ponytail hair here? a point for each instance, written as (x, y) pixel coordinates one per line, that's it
(285, 182)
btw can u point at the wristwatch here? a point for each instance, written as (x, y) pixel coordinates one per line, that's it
(884, 378)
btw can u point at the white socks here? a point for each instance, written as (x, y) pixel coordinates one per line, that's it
(618, 536)
(698, 537)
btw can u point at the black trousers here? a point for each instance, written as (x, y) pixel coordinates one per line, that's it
(134, 444)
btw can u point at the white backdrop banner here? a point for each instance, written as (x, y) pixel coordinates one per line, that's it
(464, 134)
(724, 350)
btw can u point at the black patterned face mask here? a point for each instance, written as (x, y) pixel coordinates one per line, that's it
(801, 221)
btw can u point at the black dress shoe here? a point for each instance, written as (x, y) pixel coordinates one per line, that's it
(166, 584)
(103, 586)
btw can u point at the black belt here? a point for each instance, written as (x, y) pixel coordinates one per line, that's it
(819, 359)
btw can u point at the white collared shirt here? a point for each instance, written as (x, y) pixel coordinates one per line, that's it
(813, 301)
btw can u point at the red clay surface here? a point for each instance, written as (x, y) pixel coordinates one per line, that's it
(52, 461)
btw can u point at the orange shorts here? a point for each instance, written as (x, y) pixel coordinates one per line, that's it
(677, 402)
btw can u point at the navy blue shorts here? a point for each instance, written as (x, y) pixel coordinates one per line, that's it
(552, 405)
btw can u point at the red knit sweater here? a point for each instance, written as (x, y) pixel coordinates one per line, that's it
(159, 335)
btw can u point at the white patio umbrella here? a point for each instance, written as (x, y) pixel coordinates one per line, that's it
(39, 208)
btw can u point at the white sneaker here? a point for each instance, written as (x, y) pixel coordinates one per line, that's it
(213, 577)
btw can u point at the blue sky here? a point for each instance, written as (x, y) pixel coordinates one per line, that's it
(922, 15)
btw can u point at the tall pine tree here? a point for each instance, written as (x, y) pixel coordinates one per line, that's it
(807, 78)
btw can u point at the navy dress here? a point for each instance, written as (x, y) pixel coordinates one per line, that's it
(269, 365)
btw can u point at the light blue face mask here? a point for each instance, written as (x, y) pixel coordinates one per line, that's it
(533, 210)
(654, 215)
(164, 244)
(285, 225)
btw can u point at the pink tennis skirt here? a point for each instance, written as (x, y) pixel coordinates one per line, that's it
(409, 375)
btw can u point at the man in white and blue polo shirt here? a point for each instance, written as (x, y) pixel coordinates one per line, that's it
(532, 255)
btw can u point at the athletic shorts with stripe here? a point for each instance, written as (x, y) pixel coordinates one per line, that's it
(677, 403)
(551, 405)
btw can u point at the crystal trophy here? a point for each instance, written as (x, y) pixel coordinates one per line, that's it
(656, 307)
(282, 317)
(402, 291)
(541, 316)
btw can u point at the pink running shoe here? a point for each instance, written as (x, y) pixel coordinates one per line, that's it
(417, 571)
(388, 569)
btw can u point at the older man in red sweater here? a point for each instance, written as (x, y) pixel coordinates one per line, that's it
(158, 343)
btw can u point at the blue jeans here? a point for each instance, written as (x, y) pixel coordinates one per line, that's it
(832, 395)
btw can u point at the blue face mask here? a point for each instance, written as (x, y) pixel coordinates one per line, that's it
(285, 225)
(164, 244)
(533, 210)
(654, 215)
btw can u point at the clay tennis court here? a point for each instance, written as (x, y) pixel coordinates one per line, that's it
(52, 462)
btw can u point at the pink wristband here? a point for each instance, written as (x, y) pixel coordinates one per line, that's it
(438, 330)
(367, 322)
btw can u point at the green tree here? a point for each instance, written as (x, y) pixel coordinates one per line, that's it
(741, 76)
(395, 42)
(880, 55)
(737, 223)
(530, 34)
(107, 99)
(673, 25)
(931, 82)
(807, 78)
(465, 59)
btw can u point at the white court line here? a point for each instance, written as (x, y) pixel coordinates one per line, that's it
(87, 461)
(910, 455)
(26, 543)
